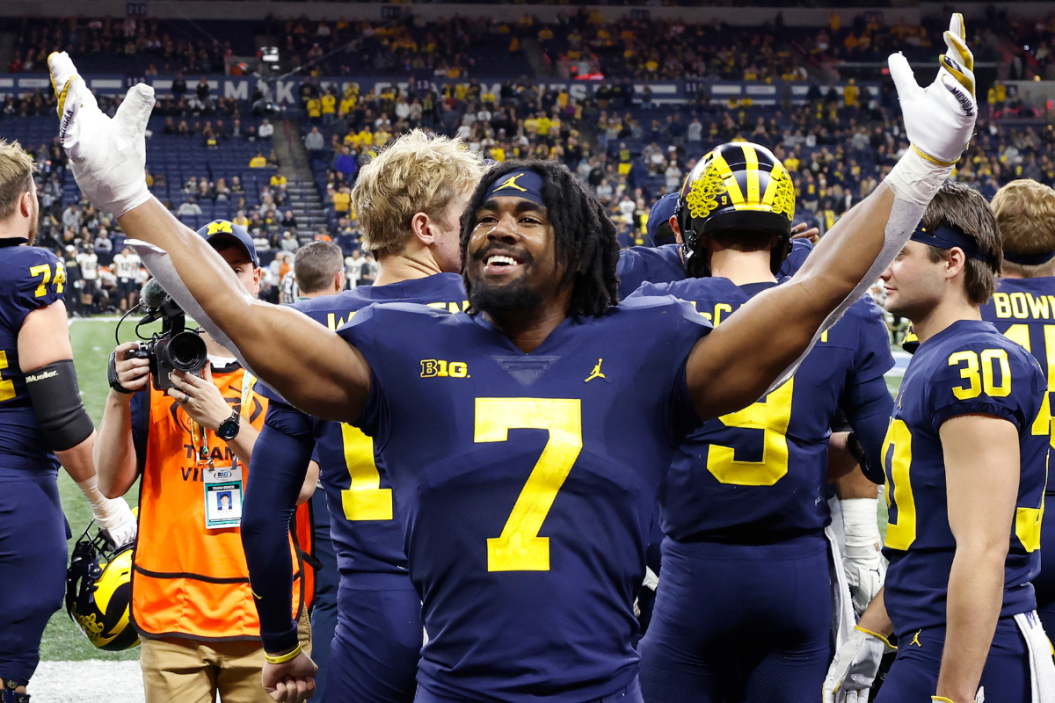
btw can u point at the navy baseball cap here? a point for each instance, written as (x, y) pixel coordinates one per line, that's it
(658, 216)
(224, 229)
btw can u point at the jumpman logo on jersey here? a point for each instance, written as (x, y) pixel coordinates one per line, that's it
(915, 639)
(511, 182)
(596, 373)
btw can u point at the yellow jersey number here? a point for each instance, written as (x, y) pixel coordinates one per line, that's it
(364, 499)
(772, 416)
(978, 374)
(519, 548)
(7, 387)
(44, 271)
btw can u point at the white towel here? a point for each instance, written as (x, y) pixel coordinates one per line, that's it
(1041, 664)
(843, 619)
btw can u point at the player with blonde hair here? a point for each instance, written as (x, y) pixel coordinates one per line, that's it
(409, 200)
(1022, 309)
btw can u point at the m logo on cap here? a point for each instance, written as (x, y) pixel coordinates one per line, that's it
(220, 226)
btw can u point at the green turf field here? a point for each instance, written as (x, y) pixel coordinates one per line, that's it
(93, 340)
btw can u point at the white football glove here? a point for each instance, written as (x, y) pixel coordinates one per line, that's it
(107, 156)
(863, 563)
(940, 119)
(854, 668)
(114, 516)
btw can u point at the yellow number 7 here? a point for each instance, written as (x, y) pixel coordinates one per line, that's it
(519, 548)
(42, 270)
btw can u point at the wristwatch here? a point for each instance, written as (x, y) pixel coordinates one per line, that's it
(228, 429)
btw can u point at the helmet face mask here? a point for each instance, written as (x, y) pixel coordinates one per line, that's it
(737, 187)
(99, 592)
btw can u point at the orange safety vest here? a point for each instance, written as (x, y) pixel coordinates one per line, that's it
(187, 580)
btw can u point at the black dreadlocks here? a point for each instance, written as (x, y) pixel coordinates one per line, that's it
(586, 244)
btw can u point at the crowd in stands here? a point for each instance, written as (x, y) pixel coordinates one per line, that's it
(210, 156)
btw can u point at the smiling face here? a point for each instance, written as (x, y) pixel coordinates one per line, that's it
(511, 259)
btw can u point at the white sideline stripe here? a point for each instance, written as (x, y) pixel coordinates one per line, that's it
(87, 682)
(104, 318)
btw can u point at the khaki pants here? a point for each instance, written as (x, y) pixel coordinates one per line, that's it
(177, 670)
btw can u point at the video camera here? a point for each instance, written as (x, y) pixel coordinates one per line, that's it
(176, 348)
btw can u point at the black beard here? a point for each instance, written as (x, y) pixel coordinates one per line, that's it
(504, 299)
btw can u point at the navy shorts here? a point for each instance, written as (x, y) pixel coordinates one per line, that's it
(914, 676)
(375, 650)
(33, 534)
(1044, 584)
(735, 622)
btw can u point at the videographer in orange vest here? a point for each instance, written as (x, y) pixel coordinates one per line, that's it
(191, 445)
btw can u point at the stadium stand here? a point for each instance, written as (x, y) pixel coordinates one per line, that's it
(837, 137)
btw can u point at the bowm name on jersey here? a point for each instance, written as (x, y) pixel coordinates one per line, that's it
(969, 368)
(1023, 305)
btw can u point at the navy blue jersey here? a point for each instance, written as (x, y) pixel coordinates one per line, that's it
(967, 368)
(663, 264)
(655, 264)
(30, 278)
(526, 485)
(760, 474)
(363, 525)
(1023, 310)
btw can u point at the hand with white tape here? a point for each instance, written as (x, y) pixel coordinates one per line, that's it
(939, 119)
(107, 156)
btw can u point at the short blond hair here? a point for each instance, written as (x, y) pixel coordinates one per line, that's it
(1025, 213)
(419, 172)
(16, 176)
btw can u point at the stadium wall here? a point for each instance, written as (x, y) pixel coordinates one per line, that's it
(284, 93)
(227, 9)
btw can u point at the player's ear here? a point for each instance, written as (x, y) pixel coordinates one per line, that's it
(676, 229)
(25, 204)
(421, 226)
(955, 262)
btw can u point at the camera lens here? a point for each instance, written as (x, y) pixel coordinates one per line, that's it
(186, 352)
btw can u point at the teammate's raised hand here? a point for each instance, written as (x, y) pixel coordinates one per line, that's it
(107, 156)
(940, 118)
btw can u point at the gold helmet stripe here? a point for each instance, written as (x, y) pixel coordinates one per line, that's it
(775, 175)
(751, 160)
(732, 187)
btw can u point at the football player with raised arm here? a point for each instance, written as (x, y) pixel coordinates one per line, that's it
(966, 465)
(526, 441)
(1023, 310)
(375, 652)
(42, 424)
(744, 607)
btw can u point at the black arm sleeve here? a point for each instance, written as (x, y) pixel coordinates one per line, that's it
(868, 407)
(276, 473)
(57, 403)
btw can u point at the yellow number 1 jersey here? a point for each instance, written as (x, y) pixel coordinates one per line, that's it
(967, 368)
(526, 484)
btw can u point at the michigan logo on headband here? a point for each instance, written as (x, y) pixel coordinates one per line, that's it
(519, 184)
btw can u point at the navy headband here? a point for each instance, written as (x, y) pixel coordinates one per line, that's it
(519, 184)
(1030, 259)
(949, 236)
